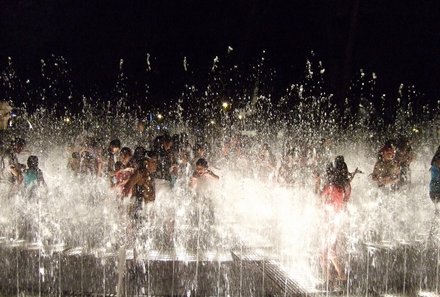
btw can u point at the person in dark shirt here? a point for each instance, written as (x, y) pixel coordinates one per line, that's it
(113, 158)
(166, 159)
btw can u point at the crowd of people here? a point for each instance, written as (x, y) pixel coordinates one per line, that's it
(174, 160)
(132, 173)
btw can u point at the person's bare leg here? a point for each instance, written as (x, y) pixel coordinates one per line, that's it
(338, 267)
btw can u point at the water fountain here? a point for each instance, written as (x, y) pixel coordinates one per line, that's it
(266, 240)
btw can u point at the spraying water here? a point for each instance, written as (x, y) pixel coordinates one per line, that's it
(251, 212)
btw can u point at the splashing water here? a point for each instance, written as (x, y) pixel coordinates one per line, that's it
(248, 207)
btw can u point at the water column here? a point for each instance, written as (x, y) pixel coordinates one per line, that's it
(82, 276)
(405, 255)
(174, 272)
(199, 227)
(103, 262)
(219, 275)
(241, 269)
(17, 270)
(263, 275)
(60, 292)
(351, 249)
(370, 249)
(149, 282)
(122, 263)
(437, 269)
(388, 248)
(422, 266)
(433, 250)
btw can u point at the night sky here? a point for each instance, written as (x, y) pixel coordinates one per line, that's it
(398, 40)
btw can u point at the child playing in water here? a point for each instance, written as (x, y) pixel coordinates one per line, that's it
(202, 171)
(386, 172)
(123, 169)
(336, 193)
(33, 176)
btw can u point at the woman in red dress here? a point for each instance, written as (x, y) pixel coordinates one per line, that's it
(336, 193)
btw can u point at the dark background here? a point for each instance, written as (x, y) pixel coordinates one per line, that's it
(397, 40)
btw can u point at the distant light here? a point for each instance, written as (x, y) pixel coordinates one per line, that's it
(159, 116)
(415, 130)
(226, 106)
(240, 117)
(67, 120)
(212, 122)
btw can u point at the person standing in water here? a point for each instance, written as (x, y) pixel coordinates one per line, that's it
(336, 193)
(386, 172)
(141, 183)
(166, 160)
(33, 176)
(10, 169)
(203, 214)
(112, 158)
(339, 182)
(201, 171)
(123, 169)
(141, 189)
